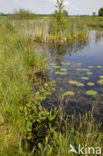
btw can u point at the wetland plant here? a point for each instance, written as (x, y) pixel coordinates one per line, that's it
(76, 83)
(91, 92)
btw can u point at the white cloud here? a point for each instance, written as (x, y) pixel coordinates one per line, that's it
(48, 6)
(49, 1)
(66, 3)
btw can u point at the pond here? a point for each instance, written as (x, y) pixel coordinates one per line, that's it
(78, 71)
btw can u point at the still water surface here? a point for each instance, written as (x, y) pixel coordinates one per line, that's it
(72, 63)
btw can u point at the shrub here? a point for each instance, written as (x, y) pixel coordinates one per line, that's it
(58, 22)
(65, 13)
(22, 14)
(101, 12)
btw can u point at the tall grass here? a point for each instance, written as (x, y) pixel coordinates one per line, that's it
(81, 130)
(40, 29)
(26, 127)
(20, 68)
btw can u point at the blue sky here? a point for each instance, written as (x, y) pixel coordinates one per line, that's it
(47, 6)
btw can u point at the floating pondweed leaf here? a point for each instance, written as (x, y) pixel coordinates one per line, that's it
(101, 77)
(91, 92)
(60, 73)
(56, 66)
(70, 93)
(89, 73)
(100, 82)
(66, 63)
(73, 82)
(63, 69)
(78, 64)
(90, 84)
(90, 67)
(79, 84)
(85, 78)
(99, 66)
(83, 69)
(57, 72)
(63, 73)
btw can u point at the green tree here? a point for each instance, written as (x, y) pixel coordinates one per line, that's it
(65, 13)
(100, 12)
(58, 21)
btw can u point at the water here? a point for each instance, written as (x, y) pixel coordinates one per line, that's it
(87, 56)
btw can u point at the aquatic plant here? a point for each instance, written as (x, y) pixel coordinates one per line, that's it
(63, 69)
(90, 67)
(19, 65)
(85, 78)
(83, 69)
(60, 73)
(38, 38)
(91, 92)
(78, 64)
(101, 77)
(89, 73)
(99, 67)
(90, 84)
(100, 82)
(63, 73)
(66, 63)
(70, 93)
(79, 84)
(54, 66)
(57, 72)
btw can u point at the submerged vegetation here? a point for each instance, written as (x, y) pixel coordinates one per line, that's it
(27, 125)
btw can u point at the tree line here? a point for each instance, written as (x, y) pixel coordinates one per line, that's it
(26, 14)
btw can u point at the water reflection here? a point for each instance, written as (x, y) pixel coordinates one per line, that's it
(85, 60)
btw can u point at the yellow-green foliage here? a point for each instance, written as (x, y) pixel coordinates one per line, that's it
(20, 70)
(39, 29)
(21, 14)
(82, 130)
(18, 63)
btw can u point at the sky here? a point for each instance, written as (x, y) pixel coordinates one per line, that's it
(74, 7)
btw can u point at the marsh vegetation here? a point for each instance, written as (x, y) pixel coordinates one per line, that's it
(49, 96)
